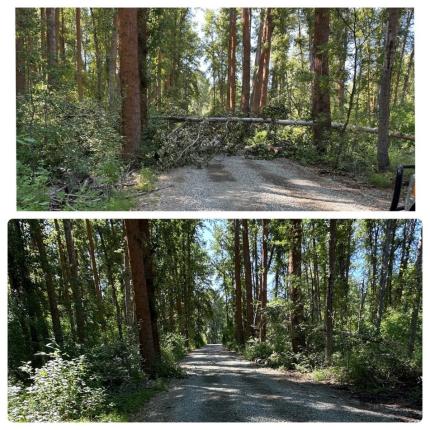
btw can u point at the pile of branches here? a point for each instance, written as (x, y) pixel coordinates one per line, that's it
(190, 143)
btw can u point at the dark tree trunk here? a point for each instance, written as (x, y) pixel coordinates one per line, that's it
(329, 316)
(99, 71)
(263, 283)
(130, 81)
(37, 235)
(238, 288)
(321, 85)
(249, 330)
(74, 281)
(295, 272)
(112, 63)
(51, 46)
(266, 59)
(385, 89)
(79, 64)
(143, 68)
(134, 229)
(246, 62)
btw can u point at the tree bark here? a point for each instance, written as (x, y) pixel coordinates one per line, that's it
(238, 288)
(74, 281)
(130, 81)
(246, 62)
(385, 89)
(329, 316)
(321, 85)
(143, 68)
(112, 63)
(295, 273)
(79, 64)
(263, 283)
(99, 81)
(37, 235)
(266, 59)
(51, 46)
(231, 72)
(20, 53)
(134, 230)
(249, 329)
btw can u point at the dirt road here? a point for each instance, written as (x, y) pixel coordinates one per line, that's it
(221, 386)
(235, 183)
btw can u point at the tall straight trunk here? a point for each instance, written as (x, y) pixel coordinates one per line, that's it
(258, 75)
(321, 114)
(266, 59)
(246, 62)
(51, 45)
(295, 274)
(79, 64)
(111, 281)
(99, 71)
(408, 76)
(413, 328)
(329, 316)
(37, 235)
(96, 278)
(256, 61)
(61, 38)
(43, 44)
(150, 285)
(74, 281)
(112, 62)
(20, 53)
(231, 73)
(128, 300)
(249, 331)
(143, 68)
(263, 283)
(389, 231)
(130, 81)
(385, 89)
(135, 243)
(65, 272)
(238, 288)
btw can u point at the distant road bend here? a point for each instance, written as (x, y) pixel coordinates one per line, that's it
(222, 387)
(237, 183)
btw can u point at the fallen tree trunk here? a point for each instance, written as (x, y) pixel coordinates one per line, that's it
(284, 122)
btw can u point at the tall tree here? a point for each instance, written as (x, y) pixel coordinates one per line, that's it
(134, 229)
(329, 315)
(249, 329)
(79, 63)
(295, 273)
(321, 114)
(263, 283)
(266, 48)
(231, 74)
(385, 89)
(130, 81)
(51, 45)
(246, 61)
(143, 66)
(238, 287)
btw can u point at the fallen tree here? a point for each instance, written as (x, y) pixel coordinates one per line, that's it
(282, 122)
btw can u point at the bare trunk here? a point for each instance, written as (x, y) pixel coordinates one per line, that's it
(79, 64)
(238, 288)
(246, 62)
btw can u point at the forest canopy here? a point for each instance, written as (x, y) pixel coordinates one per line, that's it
(103, 91)
(107, 306)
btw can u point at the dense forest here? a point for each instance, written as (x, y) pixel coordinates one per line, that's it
(102, 95)
(101, 311)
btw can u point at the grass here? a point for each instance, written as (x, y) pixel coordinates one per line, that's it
(130, 402)
(146, 179)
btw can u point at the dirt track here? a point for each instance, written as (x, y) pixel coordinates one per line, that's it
(221, 386)
(236, 183)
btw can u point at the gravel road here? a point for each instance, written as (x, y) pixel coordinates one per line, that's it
(221, 386)
(236, 183)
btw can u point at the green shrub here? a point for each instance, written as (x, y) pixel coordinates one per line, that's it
(62, 390)
(257, 350)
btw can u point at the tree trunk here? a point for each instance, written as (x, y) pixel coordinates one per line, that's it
(99, 81)
(407, 77)
(143, 68)
(231, 73)
(79, 65)
(295, 273)
(130, 81)
(134, 229)
(249, 330)
(37, 235)
(246, 62)
(238, 288)
(321, 84)
(112, 63)
(20, 53)
(259, 62)
(266, 59)
(385, 89)
(128, 300)
(390, 228)
(51, 46)
(329, 320)
(263, 283)
(74, 281)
